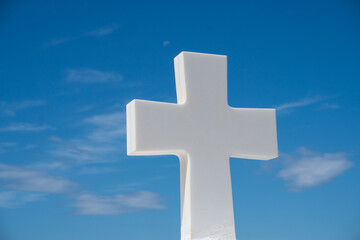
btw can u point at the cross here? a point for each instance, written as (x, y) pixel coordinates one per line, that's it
(204, 132)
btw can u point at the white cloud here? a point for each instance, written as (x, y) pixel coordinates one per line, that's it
(10, 109)
(310, 169)
(102, 143)
(132, 186)
(25, 127)
(23, 179)
(329, 106)
(107, 127)
(24, 185)
(85, 108)
(87, 75)
(91, 204)
(77, 152)
(100, 32)
(73, 154)
(300, 103)
(6, 146)
(28, 104)
(103, 31)
(47, 166)
(12, 199)
(55, 139)
(30, 146)
(97, 170)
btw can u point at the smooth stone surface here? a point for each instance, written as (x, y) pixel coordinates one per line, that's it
(203, 131)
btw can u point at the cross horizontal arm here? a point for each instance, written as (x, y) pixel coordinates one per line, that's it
(153, 127)
(253, 133)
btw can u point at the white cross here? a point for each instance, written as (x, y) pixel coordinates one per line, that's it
(203, 131)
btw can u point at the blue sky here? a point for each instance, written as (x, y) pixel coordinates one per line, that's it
(67, 70)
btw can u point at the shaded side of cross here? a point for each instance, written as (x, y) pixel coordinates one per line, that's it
(203, 131)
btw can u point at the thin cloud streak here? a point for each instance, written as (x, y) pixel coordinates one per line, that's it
(77, 152)
(29, 146)
(97, 170)
(100, 32)
(101, 144)
(14, 199)
(6, 146)
(329, 106)
(103, 31)
(28, 180)
(300, 103)
(25, 185)
(25, 127)
(10, 109)
(87, 75)
(132, 186)
(107, 127)
(91, 204)
(309, 169)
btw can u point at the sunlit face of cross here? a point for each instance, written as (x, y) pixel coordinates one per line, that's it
(204, 132)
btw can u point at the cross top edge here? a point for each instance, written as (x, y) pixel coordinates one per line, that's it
(198, 53)
(201, 78)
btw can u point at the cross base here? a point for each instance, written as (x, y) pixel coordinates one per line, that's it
(224, 231)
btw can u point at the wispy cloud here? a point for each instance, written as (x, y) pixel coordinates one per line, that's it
(99, 32)
(49, 165)
(166, 43)
(57, 41)
(5, 146)
(91, 204)
(319, 101)
(102, 142)
(30, 146)
(22, 185)
(309, 169)
(75, 153)
(55, 139)
(299, 103)
(85, 108)
(86, 75)
(8, 144)
(107, 127)
(324, 106)
(103, 31)
(28, 180)
(97, 170)
(25, 127)
(10, 109)
(12, 199)
(132, 186)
